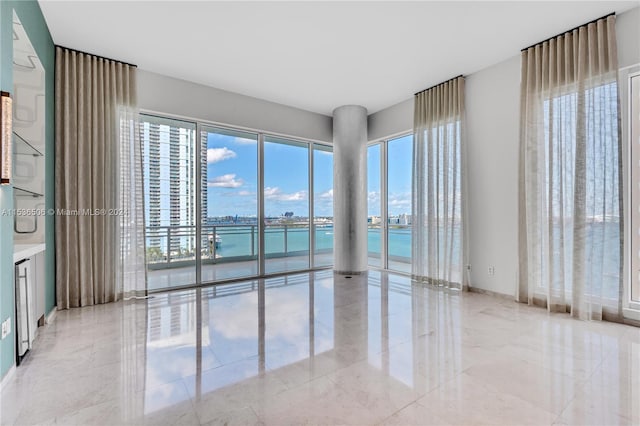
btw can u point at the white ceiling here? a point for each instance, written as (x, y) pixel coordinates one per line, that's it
(315, 55)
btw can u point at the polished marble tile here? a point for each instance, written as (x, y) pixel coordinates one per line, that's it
(544, 388)
(414, 414)
(375, 389)
(320, 401)
(317, 348)
(466, 400)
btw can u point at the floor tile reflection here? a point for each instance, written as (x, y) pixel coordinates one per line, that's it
(318, 348)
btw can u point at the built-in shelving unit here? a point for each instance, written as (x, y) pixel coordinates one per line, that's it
(21, 192)
(22, 147)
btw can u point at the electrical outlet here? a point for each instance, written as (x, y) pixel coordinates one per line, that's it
(491, 270)
(6, 327)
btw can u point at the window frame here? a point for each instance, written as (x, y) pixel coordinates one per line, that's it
(261, 135)
(384, 198)
(630, 308)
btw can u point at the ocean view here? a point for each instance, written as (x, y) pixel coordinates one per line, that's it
(240, 242)
(236, 241)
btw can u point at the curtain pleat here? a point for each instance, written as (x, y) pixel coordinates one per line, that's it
(570, 239)
(438, 243)
(95, 101)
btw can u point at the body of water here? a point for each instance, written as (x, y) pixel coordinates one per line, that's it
(236, 241)
(241, 241)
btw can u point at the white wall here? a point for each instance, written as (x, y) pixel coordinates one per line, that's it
(395, 119)
(628, 36)
(169, 95)
(492, 99)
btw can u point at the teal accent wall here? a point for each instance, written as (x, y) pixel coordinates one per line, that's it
(30, 15)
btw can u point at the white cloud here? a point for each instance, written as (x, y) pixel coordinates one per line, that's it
(327, 195)
(274, 193)
(245, 193)
(296, 196)
(373, 196)
(215, 155)
(225, 181)
(400, 202)
(270, 192)
(244, 141)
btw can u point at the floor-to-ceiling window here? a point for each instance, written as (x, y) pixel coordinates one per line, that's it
(229, 204)
(374, 204)
(286, 205)
(632, 302)
(389, 203)
(170, 202)
(232, 188)
(399, 152)
(323, 205)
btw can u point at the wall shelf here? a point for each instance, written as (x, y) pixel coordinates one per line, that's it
(22, 147)
(21, 192)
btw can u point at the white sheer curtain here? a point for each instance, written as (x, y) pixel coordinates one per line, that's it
(570, 163)
(438, 244)
(132, 276)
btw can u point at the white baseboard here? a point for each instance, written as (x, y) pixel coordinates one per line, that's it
(52, 315)
(7, 377)
(491, 293)
(631, 314)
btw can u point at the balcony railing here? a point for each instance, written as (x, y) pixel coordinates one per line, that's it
(399, 242)
(175, 246)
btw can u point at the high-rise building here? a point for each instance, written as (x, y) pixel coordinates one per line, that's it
(169, 180)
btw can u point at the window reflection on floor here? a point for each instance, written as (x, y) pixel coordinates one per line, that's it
(222, 335)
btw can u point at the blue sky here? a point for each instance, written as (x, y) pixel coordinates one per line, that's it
(399, 166)
(232, 177)
(399, 170)
(232, 164)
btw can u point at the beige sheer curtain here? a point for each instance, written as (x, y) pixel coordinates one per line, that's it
(96, 125)
(438, 244)
(132, 267)
(570, 163)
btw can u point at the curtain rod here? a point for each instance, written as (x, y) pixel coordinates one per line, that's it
(436, 85)
(97, 56)
(568, 31)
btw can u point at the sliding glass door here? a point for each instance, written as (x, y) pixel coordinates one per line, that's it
(399, 152)
(224, 204)
(389, 166)
(633, 291)
(169, 169)
(229, 204)
(323, 205)
(286, 205)
(375, 221)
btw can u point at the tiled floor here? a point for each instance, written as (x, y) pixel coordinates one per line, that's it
(318, 349)
(167, 277)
